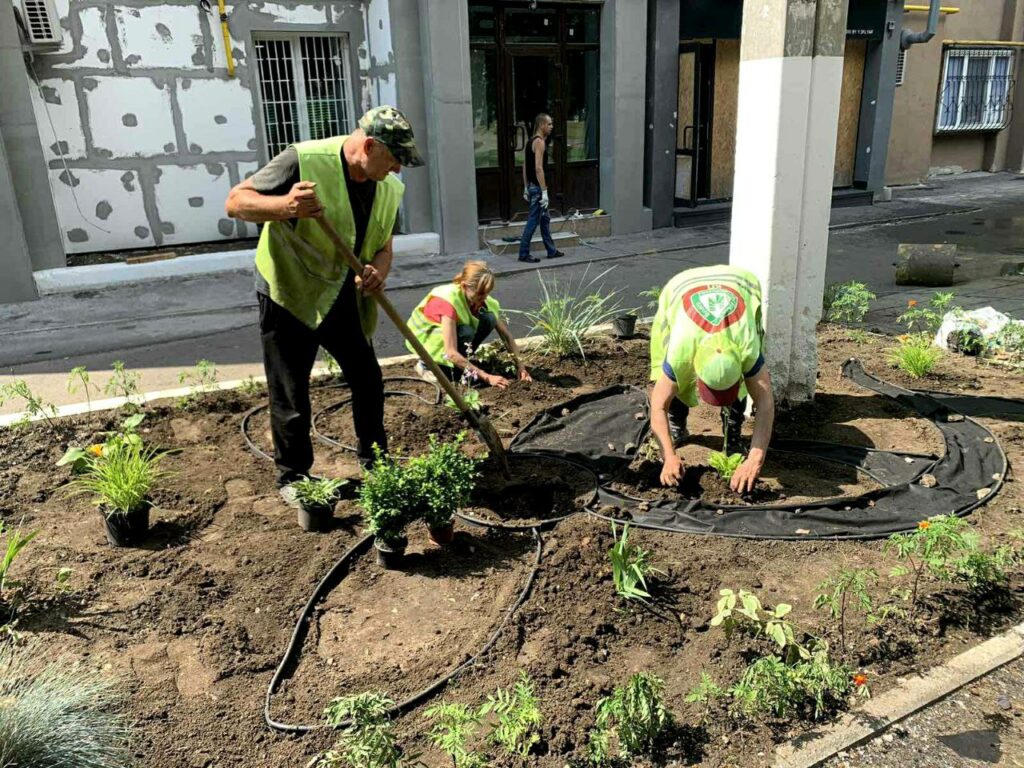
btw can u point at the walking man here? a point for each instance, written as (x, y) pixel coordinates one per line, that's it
(706, 343)
(308, 297)
(535, 190)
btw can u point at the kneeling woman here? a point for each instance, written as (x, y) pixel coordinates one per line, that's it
(456, 317)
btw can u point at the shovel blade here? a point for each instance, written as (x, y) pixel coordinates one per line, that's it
(491, 439)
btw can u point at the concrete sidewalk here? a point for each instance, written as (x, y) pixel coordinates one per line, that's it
(161, 328)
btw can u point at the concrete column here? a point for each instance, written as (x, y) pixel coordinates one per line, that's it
(791, 70)
(15, 263)
(1003, 149)
(26, 164)
(417, 209)
(877, 101)
(444, 37)
(660, 115)
(623, 77)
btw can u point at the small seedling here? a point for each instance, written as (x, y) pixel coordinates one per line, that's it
(35, 407)
(78, 378)
(857, 336)
(743, 612)
(847, 302)
(454, 726)
(330, 363)
(931, 548)
(16, 542)
(635, 715)
(705, 693)
(652, 295)
(496, 359)
(54, 713)
(466, 386)
(201, 379)
(251, 387)
(62, 581)
(368, 739)
(927, 319)
(849, 588)
(724, 465)
(519, 717)
(916, 356)
(123, 383)
(631, 566)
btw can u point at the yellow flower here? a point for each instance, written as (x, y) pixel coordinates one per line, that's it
(96, 449)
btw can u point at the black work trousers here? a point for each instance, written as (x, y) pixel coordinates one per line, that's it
(289, 351)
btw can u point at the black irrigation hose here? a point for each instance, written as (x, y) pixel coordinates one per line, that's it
(326, 584)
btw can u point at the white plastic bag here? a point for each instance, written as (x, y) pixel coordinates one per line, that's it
(986, 321)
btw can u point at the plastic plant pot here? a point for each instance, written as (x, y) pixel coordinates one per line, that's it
(623, 326)
(390, 553)
(315, 518)
(125, 529)
(442, 535)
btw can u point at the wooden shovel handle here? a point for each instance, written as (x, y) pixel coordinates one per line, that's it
(390, 311)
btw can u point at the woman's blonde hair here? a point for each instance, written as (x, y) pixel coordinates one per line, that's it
(477, 276)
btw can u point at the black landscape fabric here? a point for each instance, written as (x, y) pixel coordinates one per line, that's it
(602, 430)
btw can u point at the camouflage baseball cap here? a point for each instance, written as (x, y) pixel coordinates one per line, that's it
(389, 126)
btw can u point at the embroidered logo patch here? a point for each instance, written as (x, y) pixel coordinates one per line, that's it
(713, 307)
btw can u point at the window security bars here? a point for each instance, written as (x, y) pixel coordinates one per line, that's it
(977, 90)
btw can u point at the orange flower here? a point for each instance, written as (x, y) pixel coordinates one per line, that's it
(96, 450)
(860, 680)
(924, 525)
(912, 303)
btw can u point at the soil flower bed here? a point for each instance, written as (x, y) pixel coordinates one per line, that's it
(192, 621)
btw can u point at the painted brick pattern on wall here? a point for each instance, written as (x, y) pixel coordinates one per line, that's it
(142, 128)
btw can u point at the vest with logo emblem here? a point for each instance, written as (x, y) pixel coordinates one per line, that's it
(699, 303)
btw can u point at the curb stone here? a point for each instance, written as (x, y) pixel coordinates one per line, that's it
(911, 694)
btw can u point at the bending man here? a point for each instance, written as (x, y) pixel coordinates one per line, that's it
(706, 343)
(457, 317)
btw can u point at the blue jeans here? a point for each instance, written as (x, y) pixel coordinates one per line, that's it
(538, 215)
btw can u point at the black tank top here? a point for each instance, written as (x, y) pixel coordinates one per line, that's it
(531, 164)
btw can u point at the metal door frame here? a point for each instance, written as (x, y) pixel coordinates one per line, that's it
(699, 149)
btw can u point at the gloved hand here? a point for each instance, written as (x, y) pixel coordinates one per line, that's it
(544, 199)
(526, 194)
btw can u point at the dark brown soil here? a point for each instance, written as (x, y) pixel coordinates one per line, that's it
(195, 621)
(539, 490)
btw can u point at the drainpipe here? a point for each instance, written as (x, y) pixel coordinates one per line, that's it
(908, 38)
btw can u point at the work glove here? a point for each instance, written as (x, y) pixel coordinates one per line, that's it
(544, 200)
(526, 194)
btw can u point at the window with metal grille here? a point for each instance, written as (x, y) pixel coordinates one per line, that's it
(901, 67)
(304, 87)
(977, 90)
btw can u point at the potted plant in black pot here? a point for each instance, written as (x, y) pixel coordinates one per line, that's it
(317, 498)
(390, 503)
(444, 477)
(120, 475)
(624, 325)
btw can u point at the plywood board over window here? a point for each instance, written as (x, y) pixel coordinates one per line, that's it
(849, 112)
(723, 127)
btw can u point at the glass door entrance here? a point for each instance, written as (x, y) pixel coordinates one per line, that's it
(525, 62)
(693, 128)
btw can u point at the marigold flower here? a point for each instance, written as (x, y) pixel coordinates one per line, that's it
(924, 525)
(96, 450)
(860, 680)
(912, 303)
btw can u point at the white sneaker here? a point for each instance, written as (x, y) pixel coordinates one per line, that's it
(424, 373)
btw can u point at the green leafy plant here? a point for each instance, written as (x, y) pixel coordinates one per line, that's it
(16, 542)
(202, 379)
(931, 548)
(847, 302)
(367, 740)
(78, 378)
(442, 480)
(317, 492)
(927, 319)
(466, 387)
(55, 713)
(250, 386)
(1009, 342)
(631, 566)
(857, 336)
(120, 478)
(34, 405)
(388, 498)
(568, 311)
(982, 572)
(330, 363)
(123, 383)
(80, 459)
(742, 612)
(634, 715)
(519, 717)
(652, 295)
(725, 465)
(496, 359)
(62, 581)
(916, 355)
(705, 693)
(850, 588)
(454, 726)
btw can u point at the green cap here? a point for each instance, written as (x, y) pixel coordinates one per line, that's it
(718, 367)
(389, 126)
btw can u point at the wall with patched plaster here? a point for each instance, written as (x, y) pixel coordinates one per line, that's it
(143, 131)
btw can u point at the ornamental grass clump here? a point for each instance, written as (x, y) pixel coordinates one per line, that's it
(10, 593)
(916, 355)
(121, 477)
(58, 715)
(567, 312)
(631, 566)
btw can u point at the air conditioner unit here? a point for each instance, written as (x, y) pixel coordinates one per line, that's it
(42, 24)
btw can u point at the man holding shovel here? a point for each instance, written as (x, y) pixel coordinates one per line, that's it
(308, 296)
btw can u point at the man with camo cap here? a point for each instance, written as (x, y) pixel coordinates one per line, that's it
(308, 297)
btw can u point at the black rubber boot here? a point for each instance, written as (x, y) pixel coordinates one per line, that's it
(678, 413)
(732, 426)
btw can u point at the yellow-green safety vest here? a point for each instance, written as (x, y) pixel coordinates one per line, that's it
(700, 302)
(429, 332)
(300, 265)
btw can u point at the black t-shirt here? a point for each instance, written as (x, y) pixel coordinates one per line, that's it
(278, 177)
(531, 163)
